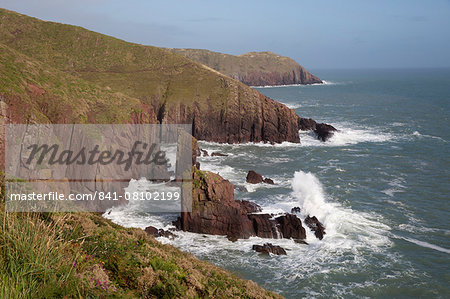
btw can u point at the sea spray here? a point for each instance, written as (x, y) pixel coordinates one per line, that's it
(346, 228)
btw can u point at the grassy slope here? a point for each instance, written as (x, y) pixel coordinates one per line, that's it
(231, 64)
(36, 92)
(149, 73)
(85, 255)
(178, 90)
(238, 66)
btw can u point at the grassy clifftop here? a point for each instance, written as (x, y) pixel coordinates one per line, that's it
(38, 93)
(87, 256)
(177, 89)
(56, 73)
(253, 68)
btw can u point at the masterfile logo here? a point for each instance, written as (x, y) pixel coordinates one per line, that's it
(89, 167)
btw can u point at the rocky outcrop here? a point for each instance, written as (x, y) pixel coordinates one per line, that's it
(255, 178)
(253, 68)
(173, 88)
(214, 211)
(155, 232)
(323, 131)
(314, 224)
(247, 116)
(268, 181)
(217, 154)
(286, 226)
(295, 210)
(269, 248)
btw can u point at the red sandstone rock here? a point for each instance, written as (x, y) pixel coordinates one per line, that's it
(215, 211)
(269, 248)
(253, 177)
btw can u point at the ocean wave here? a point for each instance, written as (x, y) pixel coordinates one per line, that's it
(347, 134)
(424, 244)
(352, 238)
(396, 186)
(340, 222)
(419, 135)
(292, 106)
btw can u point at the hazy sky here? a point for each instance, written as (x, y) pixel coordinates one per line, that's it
(317, 34)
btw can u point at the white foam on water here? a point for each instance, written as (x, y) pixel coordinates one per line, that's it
(346, 135)
(351, 237)
(133, 213)
(419, 135)
(424, 244)
(396, 186)
(340, 222)
(170, 151)
(324, 83)
(418, 227)
(293, 106)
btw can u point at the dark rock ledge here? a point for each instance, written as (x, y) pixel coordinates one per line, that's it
(216, 212)
(323, 131)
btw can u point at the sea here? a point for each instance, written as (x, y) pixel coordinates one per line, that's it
(380, 186)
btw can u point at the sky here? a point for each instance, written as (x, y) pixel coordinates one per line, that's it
(317, 34)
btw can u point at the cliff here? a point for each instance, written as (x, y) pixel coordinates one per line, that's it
(216, 212)
(126, 82)
(253, 68)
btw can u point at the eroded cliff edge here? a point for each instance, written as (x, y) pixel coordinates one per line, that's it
(128, 83)
(253, 68)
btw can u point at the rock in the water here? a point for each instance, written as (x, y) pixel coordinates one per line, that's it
(285, 226)
(204, 152)
(290, 226)
(155, 232)
(324, 131)
(214, 211)
(152, 231)
(240, 188)
(254, 177)
(269, 248)
(314, 224)
(268, 181)
(295, 210)
(217, 154)
(306, 124)
(300, 241)
(232, 238)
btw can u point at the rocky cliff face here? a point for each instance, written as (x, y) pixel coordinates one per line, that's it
(253, 68)
(215, 211)
(247, 116)
(162, 87)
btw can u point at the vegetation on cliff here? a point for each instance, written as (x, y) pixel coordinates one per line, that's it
(253, 68)
(176, 89)
(55, 73)
(85, 255)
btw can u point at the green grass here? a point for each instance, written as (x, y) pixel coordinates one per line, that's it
(83, 255)
(231, 65)
(38, 93)
(151, 74)
(55, 255)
